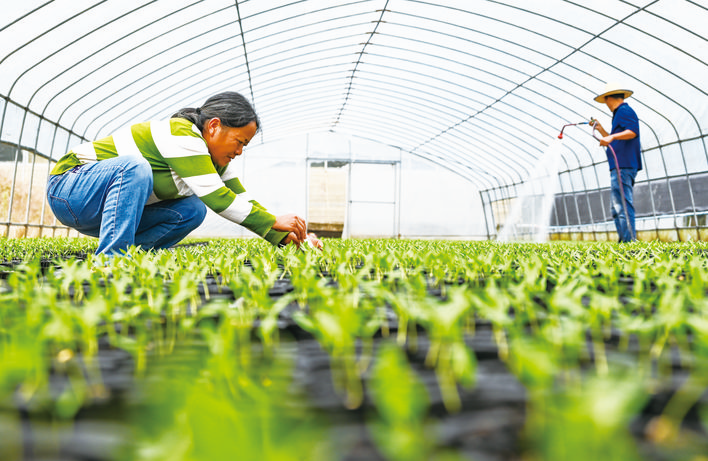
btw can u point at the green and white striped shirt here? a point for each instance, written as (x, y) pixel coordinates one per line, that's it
(181, 166)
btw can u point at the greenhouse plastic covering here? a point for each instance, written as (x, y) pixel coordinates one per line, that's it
(476, 89)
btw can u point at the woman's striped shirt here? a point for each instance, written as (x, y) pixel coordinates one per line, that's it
(181, 166)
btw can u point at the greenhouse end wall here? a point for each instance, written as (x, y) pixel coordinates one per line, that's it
(429, 201)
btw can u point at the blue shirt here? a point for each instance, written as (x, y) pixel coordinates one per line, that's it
(628, 151)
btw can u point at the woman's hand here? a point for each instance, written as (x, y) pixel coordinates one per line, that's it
(311, 240)
(293, 224)
(316, 243)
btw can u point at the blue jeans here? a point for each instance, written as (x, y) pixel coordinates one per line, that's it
(107, 200)
(626, 228)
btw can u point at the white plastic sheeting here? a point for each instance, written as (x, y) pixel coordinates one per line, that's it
(478, 87)
(390, 194)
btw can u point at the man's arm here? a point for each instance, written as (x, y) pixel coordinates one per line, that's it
(621, 136)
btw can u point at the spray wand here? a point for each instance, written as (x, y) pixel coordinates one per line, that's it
(560, 136)
(593, 123)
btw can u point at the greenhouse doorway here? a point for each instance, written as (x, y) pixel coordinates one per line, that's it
(327, 196)
(353, 198)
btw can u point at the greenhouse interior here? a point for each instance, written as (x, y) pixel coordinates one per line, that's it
(370, 230)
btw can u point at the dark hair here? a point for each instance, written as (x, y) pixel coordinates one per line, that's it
(615, 96)
(230, 107)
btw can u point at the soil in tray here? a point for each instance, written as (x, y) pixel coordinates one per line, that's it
(487, 427)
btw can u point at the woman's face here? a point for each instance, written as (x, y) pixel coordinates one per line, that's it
(224, 142)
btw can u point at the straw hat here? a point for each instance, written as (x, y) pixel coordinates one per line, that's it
(613, 88)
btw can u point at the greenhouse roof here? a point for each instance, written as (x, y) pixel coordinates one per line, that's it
(479, 87)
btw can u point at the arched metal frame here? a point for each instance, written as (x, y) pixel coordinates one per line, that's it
(479, 87)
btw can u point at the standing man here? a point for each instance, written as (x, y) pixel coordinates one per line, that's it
(624, 141)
